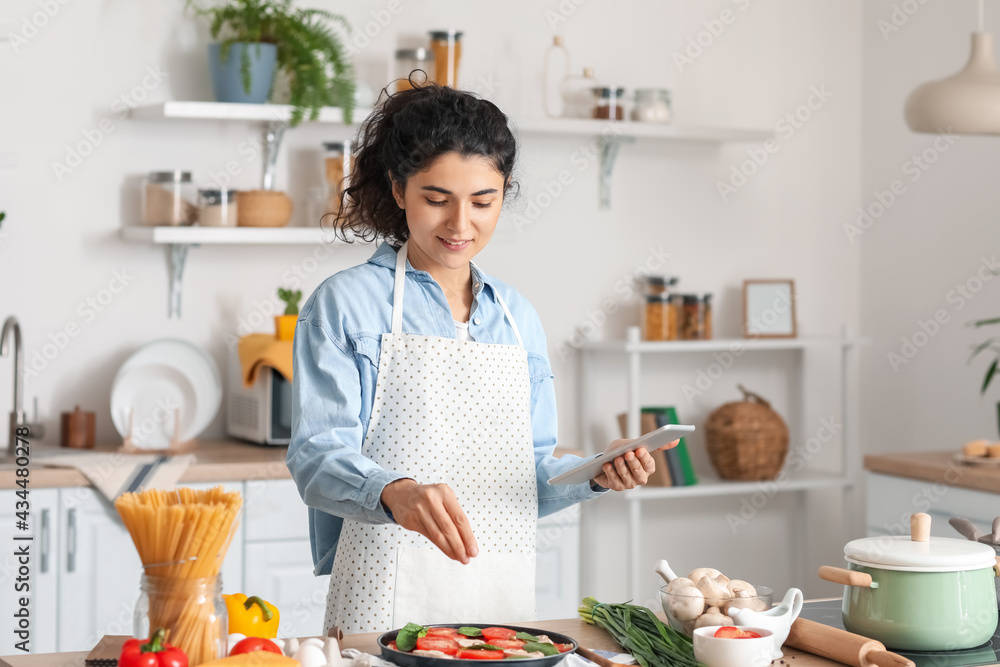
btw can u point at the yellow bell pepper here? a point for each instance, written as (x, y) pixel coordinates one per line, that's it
(251, 616)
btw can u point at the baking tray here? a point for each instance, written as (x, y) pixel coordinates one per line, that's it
(404, 659)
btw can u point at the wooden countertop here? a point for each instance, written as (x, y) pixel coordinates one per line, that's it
(588, 636)
(938, 467)
(215, 461)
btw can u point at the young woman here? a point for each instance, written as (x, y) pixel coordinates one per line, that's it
(424, 413)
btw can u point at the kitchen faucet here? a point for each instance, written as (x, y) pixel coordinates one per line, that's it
(18, 418)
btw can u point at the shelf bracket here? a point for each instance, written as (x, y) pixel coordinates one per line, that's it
(176, 259)
(274, 132)
(609, 153)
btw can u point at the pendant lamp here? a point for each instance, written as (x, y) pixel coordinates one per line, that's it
(965, 103)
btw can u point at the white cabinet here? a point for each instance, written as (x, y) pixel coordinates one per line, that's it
(557, 574)
(41, 569)
(891, 500)
(281, 572)
(100, 571)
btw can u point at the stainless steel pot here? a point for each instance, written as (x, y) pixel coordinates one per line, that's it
(917, 592)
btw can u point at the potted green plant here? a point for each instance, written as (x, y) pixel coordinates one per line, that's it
(259, 39)
(988, 345)
(284, 325)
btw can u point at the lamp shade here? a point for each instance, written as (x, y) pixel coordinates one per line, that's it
(965, 103)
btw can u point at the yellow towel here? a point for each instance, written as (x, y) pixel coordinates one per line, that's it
(259, 349)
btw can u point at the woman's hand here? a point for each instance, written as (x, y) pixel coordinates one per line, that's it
(433, 511)
(628, 471)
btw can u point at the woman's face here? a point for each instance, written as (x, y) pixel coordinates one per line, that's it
(452, 208)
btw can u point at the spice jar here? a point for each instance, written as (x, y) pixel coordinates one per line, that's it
(168, 198)
(652, 105)
(191, 610)
(217, 207)
(609, 103)
(336, 171)
(696, 318)
(409, 65)
(77, 429)
(446, 46)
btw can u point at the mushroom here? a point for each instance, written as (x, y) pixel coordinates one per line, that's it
(698, 573)
(713, 617)
(743, 594)
(679, 582)
(715, 592)
(686, 603)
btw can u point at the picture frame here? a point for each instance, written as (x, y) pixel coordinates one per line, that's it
(769, 308)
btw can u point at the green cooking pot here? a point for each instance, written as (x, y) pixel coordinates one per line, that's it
(929, 594)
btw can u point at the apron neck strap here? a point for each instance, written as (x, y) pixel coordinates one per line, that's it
(399, 284)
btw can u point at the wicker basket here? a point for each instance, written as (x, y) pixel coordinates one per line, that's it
(746, 440)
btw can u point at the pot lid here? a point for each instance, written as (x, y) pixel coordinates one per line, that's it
(939, 554)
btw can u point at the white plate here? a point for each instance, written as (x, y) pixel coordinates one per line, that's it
(160, 377)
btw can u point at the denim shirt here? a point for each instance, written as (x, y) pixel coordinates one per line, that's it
(337, 345)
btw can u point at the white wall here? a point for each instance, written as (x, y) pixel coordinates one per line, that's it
(928, 242)
(61, 244)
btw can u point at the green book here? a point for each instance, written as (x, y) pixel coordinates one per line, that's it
(668, 415)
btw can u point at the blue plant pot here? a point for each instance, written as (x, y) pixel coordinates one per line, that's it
(227, 82)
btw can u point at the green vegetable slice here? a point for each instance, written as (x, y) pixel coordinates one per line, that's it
(406, 640)
(524, 636)
(470, 632)
(547, 649)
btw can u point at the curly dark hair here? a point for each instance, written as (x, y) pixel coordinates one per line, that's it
(407, 131)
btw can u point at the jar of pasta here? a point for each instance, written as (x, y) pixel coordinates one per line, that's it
(696, 318)
(191, 610)
(446, 46)
(659, 316)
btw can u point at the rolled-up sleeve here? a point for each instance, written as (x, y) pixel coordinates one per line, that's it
(324, 453)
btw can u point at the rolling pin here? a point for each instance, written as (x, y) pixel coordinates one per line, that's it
(842, 646)
(597, 659)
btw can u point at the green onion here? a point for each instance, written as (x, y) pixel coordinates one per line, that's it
(641, 633)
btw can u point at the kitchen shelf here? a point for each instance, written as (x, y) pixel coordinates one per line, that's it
(185, 110)
(633, 348)
(229, 235)
(611, 135)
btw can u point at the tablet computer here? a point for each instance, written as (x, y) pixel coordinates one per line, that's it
(592, 466)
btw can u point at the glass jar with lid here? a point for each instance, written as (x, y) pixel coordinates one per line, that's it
(659, 316)
(217, 207)
(652, 105)
(191, 610)
(413, 66)
(446, 46)
(168, 198)
(609, 103)
(696, 318)
(577, 92)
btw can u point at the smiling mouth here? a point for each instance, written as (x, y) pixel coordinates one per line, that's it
(454, 245)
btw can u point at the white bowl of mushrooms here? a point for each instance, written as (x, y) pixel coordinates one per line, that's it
(704, 597)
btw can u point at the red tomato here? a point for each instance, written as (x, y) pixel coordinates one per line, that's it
(444, 644)
(251, 644)
(507, 643)
(731, 632)
(442, 632)
(467, 654)
(489, 634)
(563, 648)
(392, 645)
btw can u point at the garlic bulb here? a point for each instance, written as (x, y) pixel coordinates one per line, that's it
(715, 592)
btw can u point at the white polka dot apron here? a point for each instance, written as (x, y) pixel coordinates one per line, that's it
(454, 412)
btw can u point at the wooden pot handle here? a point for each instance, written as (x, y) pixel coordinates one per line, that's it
(920, 527)
(883, 658)
(839, 575)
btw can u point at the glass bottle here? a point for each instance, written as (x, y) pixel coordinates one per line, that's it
(555, 71)
(576, 91)
(190, 609)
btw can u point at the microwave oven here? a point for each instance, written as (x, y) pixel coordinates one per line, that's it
(262, 413)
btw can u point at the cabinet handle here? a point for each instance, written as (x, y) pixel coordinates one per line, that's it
(45, 541)
(71, 540)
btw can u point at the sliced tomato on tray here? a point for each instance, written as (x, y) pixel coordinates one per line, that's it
(442, 632)
(507, 643)
(467, 654)
(392, 645)
(563, 648)
(489, 634)
(732, 632)
(446, 645)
